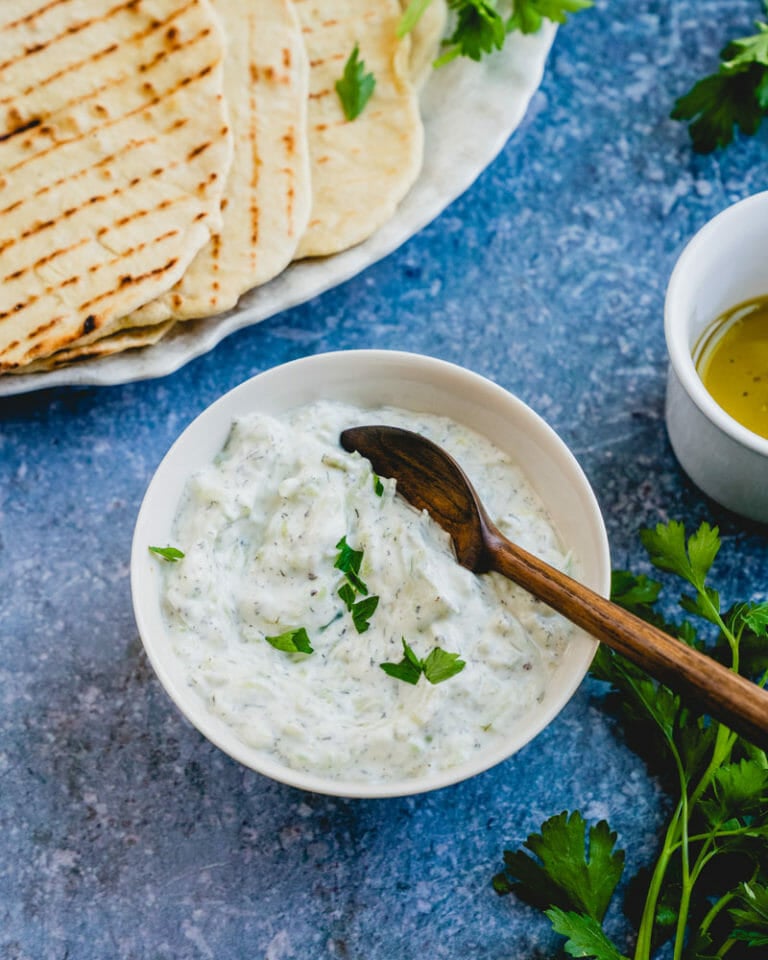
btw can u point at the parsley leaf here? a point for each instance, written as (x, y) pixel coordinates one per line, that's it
(482, 26)
(736, 96)
(440, 665)
(362, 611)
(569, 869)
(738, 790)
(355, 87)
(171, 554)
(634, 593)
(408, 669)
(529, 15)
(378, 486)
(585, 935)
(349, 561)
(480, 29)
(667, 550)
(347, 594)
(752, 917)
(437, 667)
(292, 641)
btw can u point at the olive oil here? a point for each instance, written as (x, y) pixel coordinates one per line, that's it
(732, 361)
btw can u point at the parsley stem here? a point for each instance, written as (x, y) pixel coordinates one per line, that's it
(706, 854)
(725, 948)
(645, 931)
(685, 863)
(715, 909)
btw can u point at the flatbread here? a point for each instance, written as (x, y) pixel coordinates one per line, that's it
(114, 151)
(361, 169)
(425, 40)
(132, 338)
(267, 200)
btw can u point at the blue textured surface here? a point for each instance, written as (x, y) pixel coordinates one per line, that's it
(123, 834)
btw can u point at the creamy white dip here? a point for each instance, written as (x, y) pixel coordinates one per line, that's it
(259, 528)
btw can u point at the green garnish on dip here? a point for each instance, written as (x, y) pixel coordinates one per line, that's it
(171, 554)
(292, 641)
(437, 667)
(362, 611)
(349, 561)
(355, 87)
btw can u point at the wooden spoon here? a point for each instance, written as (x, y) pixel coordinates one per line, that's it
(431, 480)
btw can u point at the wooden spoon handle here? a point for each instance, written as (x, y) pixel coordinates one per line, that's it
(719, 692)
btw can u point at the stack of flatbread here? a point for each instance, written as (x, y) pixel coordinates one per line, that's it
(159, 158)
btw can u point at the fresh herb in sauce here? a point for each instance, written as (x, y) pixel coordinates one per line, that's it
(378, 486)
(438, 666)
(349, 561)
(362, 611)
(355, 87)
(441, 665)
(171, 554)
(292, 641)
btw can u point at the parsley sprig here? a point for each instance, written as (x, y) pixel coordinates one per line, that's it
(735, 96)
(707, 893)
(355, 88)
(438, 666)
(481, 27)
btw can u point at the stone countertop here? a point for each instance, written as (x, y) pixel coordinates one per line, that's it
(124, 834)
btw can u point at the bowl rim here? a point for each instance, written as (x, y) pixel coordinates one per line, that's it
(215, 729)
(676, 332)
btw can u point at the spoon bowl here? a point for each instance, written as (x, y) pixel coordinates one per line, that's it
(431, 480)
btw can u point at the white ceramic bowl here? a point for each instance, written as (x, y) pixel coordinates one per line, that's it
(722, 266)
(371, 378)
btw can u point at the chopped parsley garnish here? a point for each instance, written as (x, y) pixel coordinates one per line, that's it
(437, 667)
(362, 611)
(378, 486)
(441, 665)
(171, 554)
(349, 562)
(355, 86)
(409, 669)
(292, 641)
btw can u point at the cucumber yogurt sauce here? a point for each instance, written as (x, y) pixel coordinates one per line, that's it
(260, 527)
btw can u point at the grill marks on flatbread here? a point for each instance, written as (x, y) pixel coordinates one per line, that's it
(266, 204)
(123, 206)
(114, 150)
(129, 339)
(360, 169)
